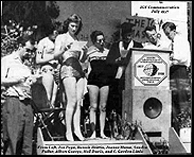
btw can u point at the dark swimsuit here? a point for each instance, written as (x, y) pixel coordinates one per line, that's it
(71, 66)
(98, 75)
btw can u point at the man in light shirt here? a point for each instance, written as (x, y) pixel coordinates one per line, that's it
(17, 112)
(179, 45)
(180, 62)
(154, 41)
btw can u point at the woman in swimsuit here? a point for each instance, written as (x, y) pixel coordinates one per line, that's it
(98, 81)
(72, 75)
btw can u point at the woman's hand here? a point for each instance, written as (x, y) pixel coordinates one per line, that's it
(67, 47)
(59, 52)
(83, 56)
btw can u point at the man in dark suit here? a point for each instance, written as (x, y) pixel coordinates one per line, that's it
(117, 62)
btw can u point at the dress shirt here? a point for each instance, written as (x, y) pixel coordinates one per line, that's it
(181, 51)
(12, 67)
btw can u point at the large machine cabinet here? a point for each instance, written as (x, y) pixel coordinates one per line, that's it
(147, 97)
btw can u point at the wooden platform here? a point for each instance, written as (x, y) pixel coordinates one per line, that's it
(101, 146)
(96, 146)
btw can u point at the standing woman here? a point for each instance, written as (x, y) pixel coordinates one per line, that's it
(98, 81)
(72, 75)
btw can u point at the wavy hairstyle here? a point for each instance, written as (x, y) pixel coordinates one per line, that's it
(73, 18)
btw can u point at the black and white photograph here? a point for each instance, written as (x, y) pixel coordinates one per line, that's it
(96, 77)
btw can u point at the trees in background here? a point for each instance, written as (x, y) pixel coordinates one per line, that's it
(29, 13)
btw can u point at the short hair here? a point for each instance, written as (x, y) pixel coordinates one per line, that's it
(149, 28)
(73, 18)
(94, 35)
(50, 30)
(25, 38)
(171, 25)
(126, 28)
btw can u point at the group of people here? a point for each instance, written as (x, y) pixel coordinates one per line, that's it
(93, 69)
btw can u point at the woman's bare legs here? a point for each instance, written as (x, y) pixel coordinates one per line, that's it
(77, 115)
(50, 87)
(93, 96)
(70, 90)
(103, 101)
(54, 93)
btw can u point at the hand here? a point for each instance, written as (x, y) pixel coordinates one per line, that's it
(84, 54)
(174, 62)
(67, 47)
(29, 81)
(119, 59)
(85, 49)
(124, 53)
(171, 57)
(20, 79)
(32, 79)
(50, 50)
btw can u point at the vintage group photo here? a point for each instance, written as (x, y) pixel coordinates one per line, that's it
(96, 77)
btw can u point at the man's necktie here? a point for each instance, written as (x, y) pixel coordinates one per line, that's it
(172, 46)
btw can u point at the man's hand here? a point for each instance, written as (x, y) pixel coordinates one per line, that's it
(119, 59)
(32, 79)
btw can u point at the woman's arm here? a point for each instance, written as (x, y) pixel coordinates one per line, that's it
(60, 47)
(83, 55)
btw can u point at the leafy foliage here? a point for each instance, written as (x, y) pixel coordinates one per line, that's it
(29, 13)
(9, 35)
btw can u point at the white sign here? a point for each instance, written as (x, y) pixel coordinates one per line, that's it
(140, 23)
(78, 45)
(150, 70)
(162, 11)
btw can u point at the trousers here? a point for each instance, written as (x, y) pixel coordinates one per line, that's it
(17, 119)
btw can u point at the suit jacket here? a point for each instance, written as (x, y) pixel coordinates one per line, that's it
(113, 54)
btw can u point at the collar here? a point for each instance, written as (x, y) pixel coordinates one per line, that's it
(93, 49)
(130, 45)
(16, 55)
